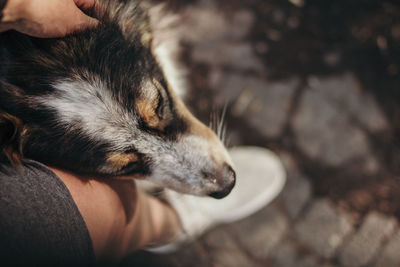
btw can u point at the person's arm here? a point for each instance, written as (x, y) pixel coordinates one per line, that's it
(120, 218)
(46, 18)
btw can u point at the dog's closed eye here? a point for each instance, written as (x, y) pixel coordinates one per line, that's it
(153, 106)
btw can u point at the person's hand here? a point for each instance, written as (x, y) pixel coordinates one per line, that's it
(47, 18)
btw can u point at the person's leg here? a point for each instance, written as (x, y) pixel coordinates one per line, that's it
(40, 224)
(120, 218)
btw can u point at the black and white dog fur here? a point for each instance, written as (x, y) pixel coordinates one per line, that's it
(100, 102)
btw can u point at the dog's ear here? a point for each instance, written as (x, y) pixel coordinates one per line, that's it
(11, 131)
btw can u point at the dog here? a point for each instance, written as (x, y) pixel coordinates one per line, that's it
(100, 102)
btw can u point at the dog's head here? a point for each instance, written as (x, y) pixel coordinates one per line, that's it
(98, 103)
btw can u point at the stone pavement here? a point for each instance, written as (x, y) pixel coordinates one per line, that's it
(328, 120)
(297, 229)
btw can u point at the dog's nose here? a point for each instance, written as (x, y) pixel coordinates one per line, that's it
(228, 183)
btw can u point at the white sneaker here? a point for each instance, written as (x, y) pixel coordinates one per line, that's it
(260, 177)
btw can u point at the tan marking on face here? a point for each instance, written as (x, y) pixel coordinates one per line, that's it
(196, 127)
(216, 149)
(147, 110)
(120, 160)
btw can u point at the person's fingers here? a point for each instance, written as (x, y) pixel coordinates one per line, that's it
(85, 4)
(54, 19)
(73, 21)
(86, 21)
(89, 22)
(82, 21)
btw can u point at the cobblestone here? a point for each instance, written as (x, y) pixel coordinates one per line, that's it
(236, 55)
(391, 253)
(265, 104)
(242, 21)
(323, 228)
(329, 104)
(224, 251)
(260, 233)
(297, 191)
(181, 258)
(204, 24)
(184, 256)
(284, 254)
(287, 254)
(345, 93)
(364, 244)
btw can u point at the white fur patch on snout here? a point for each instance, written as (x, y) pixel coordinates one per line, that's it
(184, 165)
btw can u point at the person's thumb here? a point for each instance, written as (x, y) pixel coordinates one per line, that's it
(90, 22)
(82, 21)
(86, 4)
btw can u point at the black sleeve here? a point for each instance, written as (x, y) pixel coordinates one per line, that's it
(2, 5)
(40, 224)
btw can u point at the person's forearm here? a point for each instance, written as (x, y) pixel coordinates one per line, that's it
(120, 218)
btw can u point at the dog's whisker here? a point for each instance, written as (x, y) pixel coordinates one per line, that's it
(222, 120)
(223, 134)
(214, 121)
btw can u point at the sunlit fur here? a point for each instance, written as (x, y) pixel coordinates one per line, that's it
(100, 102)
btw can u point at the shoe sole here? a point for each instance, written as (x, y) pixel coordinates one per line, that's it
(274, 187)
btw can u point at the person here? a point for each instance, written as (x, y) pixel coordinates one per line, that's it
(46, 18)
(52, 216)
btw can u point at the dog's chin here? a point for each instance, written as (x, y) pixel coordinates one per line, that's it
(213, 192)
(205, 190)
